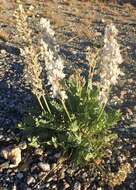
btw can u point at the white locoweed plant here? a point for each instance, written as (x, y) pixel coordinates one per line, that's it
(76, 119)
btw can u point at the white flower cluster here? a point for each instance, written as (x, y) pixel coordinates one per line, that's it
(45, 24)
(54, 65)
(111, 59)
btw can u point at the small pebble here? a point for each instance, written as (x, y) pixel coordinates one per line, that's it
(30, 180)
(84, 175)
(3, 51)
(54, 186)
(66, 185)
(47, 185)
(38, 151)
(134, 108)
(44, 166)
(23, 145)
(20, 175)
(14, 187)
(99, 188)
(77, 186)
(41, 174)
(50, 179)
(1, 137)
(70, 171)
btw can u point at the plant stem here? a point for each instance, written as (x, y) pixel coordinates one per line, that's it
(40, 103)
(101, 112)
(46, 104)
(63, 103)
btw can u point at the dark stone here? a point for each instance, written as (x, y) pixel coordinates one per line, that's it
(9, 48)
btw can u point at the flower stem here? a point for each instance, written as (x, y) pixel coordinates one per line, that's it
(46, 104)
(40, 104)
(63, 103)
(101, 112)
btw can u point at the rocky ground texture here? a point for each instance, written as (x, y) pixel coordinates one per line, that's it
(77, 25)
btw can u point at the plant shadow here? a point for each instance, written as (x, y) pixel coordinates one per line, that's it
(16, 99)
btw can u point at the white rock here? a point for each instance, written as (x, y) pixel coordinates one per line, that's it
(77, 186)
(1, 137)
(3, 51)
(44, 166)
(66, 185)
(49, 180)
(30, 180)
(13, 154)
(54, 186)
(14, 187)
(99, 188)
(47, 185)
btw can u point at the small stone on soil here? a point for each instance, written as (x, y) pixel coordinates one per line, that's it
(30, 180)
(20, 175)
(77, 186)
(44, 166)
(38, 151)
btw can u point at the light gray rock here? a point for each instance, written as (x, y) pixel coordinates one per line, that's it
(57, 155)
(77, 186)
(47, 185)
(30, 180)
(54, 186)
(20, 175)
(14, 187)
(50, 179)
(66, 185)
(44, 166)
(1, 137)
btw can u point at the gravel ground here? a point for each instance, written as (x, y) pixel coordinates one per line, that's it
(42, 168)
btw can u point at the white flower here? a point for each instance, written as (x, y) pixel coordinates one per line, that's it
(111, 59)
(63, 95)
(54, 67)
(45, 24)
(54, 64)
